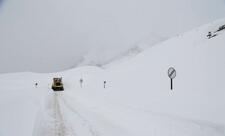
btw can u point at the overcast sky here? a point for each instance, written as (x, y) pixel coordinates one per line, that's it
(52, 35)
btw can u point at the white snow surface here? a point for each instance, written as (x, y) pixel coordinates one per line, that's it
(137, 100)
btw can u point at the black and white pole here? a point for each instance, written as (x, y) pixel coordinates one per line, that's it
(104, 83)
(81, 82)
(172, 75)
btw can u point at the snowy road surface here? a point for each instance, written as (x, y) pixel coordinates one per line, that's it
(60, 124)
(60, 128)
(70, 118)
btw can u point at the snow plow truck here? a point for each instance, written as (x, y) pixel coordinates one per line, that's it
(57, 84)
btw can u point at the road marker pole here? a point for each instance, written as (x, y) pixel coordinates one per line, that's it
(171, 75)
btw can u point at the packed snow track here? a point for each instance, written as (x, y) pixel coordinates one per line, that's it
(60, 124)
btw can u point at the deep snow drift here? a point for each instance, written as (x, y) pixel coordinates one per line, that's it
(137, 99)
(60, 34)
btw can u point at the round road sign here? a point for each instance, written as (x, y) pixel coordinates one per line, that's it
(171, 73)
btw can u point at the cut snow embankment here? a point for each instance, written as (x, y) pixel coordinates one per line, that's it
(137, 99)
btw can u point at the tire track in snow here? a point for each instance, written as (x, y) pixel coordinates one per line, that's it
(59, 124)
(84, 121)
(50, 121)
(60, 128)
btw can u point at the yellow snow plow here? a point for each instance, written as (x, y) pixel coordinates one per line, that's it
(57, 84)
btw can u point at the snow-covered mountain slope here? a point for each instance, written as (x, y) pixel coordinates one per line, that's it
(137, 99)
(58, 34)
(200, 72)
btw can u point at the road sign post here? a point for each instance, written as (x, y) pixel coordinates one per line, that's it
(172, 75)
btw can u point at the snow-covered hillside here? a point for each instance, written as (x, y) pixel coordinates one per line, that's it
(137, 99)
(60, 34)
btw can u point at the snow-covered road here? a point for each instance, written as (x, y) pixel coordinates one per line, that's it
(61, 124)
(60, 127)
